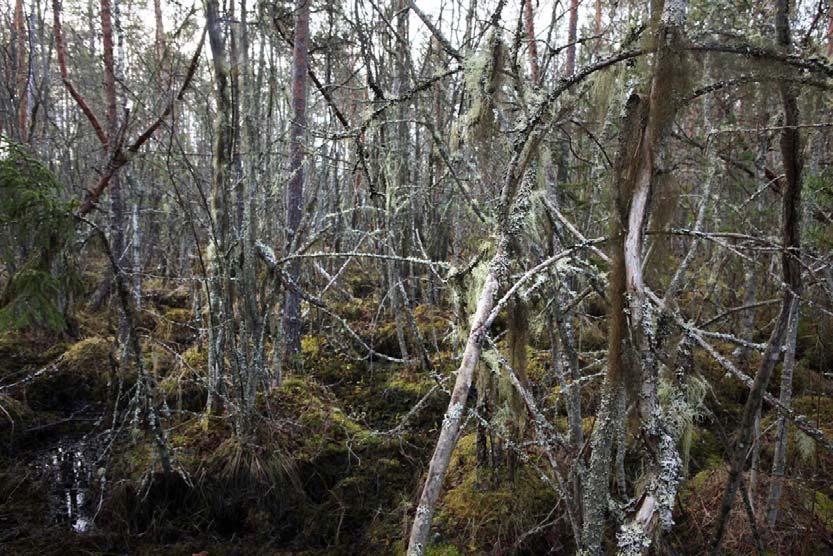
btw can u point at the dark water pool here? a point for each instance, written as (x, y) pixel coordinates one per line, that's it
(70, 471)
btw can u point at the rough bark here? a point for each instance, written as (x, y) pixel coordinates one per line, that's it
(295, 190)
(572, 34)
(532, 44)
(642, 143)
(218, 286)
(517, 199)
(779, 458)
(23, 71)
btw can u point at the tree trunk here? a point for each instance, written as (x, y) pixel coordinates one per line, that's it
(295, 192)
(641, 144)
(572, 33)
(516, 209)
(218, 302)
(779, 458)
(791, 275)
(532, 48)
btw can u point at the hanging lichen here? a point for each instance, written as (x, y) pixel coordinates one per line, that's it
(483, 78)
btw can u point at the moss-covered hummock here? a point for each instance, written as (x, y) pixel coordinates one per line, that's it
(485, 511)
(80, 376)
(176, 325)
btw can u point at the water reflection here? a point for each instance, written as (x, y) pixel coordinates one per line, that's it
(69, 475)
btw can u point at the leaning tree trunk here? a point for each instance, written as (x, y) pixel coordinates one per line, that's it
(515, 211)
(791, 275)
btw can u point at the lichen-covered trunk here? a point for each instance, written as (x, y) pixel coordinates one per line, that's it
(452, 420)
(640, 155)
(515, 198)
(218, 305)
(597, 478)
(779, 458)
(295, 191)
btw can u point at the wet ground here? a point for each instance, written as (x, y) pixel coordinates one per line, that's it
(71, 472)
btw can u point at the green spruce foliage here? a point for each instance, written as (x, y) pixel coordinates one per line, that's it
(35, 226)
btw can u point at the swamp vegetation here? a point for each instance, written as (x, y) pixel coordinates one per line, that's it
(423, 278)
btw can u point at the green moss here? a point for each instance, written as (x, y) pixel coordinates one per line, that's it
(135, 460)
(482, 517)
(432, 321)
(176, 325)
(708, 481)
(706, 451)
(19, 351)
(443, 550)
(822, 507)
(409, 384)
(311, 347)
(81, 374)
(195, 357)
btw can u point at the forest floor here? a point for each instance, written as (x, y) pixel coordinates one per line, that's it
(332, 459)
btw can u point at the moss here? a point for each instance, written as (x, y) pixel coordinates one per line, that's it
(15, 417)
(822, 507)
(176, 325)
(184, 390)
(443, 550)
(81, 375)
(19, 351)
(362, 284)
(195, 357)
(386, 339)
(432, 321)
(355, 310)
(321, 426)
(482, 517)
(97, 322)
(706, 451)
(409, 384)
(311, 347)
(163, 294)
